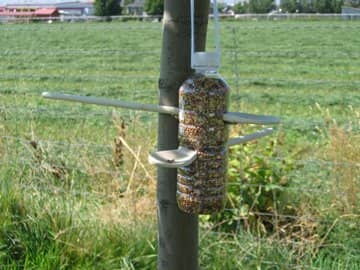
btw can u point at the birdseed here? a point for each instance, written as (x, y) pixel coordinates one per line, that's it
(201, 185)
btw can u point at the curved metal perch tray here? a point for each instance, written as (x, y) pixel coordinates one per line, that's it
(173, 158)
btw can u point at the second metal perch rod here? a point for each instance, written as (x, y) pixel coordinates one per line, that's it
(229, 117)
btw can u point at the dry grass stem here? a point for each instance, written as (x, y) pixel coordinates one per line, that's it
(132, 152)
(132, 175)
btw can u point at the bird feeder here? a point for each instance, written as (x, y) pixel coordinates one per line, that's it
(201, 158)
(203, 99)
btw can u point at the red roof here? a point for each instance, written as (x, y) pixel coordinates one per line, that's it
(46, 12)
(41, 12)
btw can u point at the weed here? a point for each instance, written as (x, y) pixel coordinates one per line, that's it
(118, 155)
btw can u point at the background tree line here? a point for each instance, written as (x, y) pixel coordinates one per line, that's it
(156, 7)
(291, 6)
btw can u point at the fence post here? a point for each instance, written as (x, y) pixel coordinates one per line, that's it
(177, 231)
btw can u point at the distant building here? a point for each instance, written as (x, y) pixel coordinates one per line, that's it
(51, 9)
(46, 12)
(76, 8)
(350, 10)
(17, 9)
(134, 8)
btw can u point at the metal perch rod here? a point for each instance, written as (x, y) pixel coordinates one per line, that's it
(229, 117)
(253, 136)
(112, 103)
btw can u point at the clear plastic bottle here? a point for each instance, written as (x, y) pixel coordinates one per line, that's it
(201, 186)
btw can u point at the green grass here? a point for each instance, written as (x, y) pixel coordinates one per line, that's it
(66, 203)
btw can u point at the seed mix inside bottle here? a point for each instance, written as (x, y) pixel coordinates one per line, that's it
(202, 102)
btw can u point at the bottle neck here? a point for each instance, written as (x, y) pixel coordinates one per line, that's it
(208, 73)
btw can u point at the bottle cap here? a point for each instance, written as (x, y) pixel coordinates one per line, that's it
(205, 61)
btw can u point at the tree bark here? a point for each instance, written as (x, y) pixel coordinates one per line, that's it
(177, 231)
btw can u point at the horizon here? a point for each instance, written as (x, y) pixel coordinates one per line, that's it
(3, 2)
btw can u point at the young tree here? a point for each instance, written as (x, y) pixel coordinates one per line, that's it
(107, 7)
(327, 6)
(154, 7)
(241, 8)
(261, 6)
(289, 6)
(221, 7)
(306, 6)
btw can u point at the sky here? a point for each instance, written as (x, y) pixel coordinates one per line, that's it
(229, 2)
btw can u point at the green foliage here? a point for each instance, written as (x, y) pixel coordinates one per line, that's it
(256, 181)
(107, 8)
(154, 7)
(327, 6)
(241, 8)
(319, 6)
(290, 6)
(305, 6)
(261, 6)
(221, 6)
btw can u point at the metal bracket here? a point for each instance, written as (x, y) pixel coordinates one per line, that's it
(229, 117)
(205, 61)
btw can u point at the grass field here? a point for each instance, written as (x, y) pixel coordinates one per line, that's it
(73, 195)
